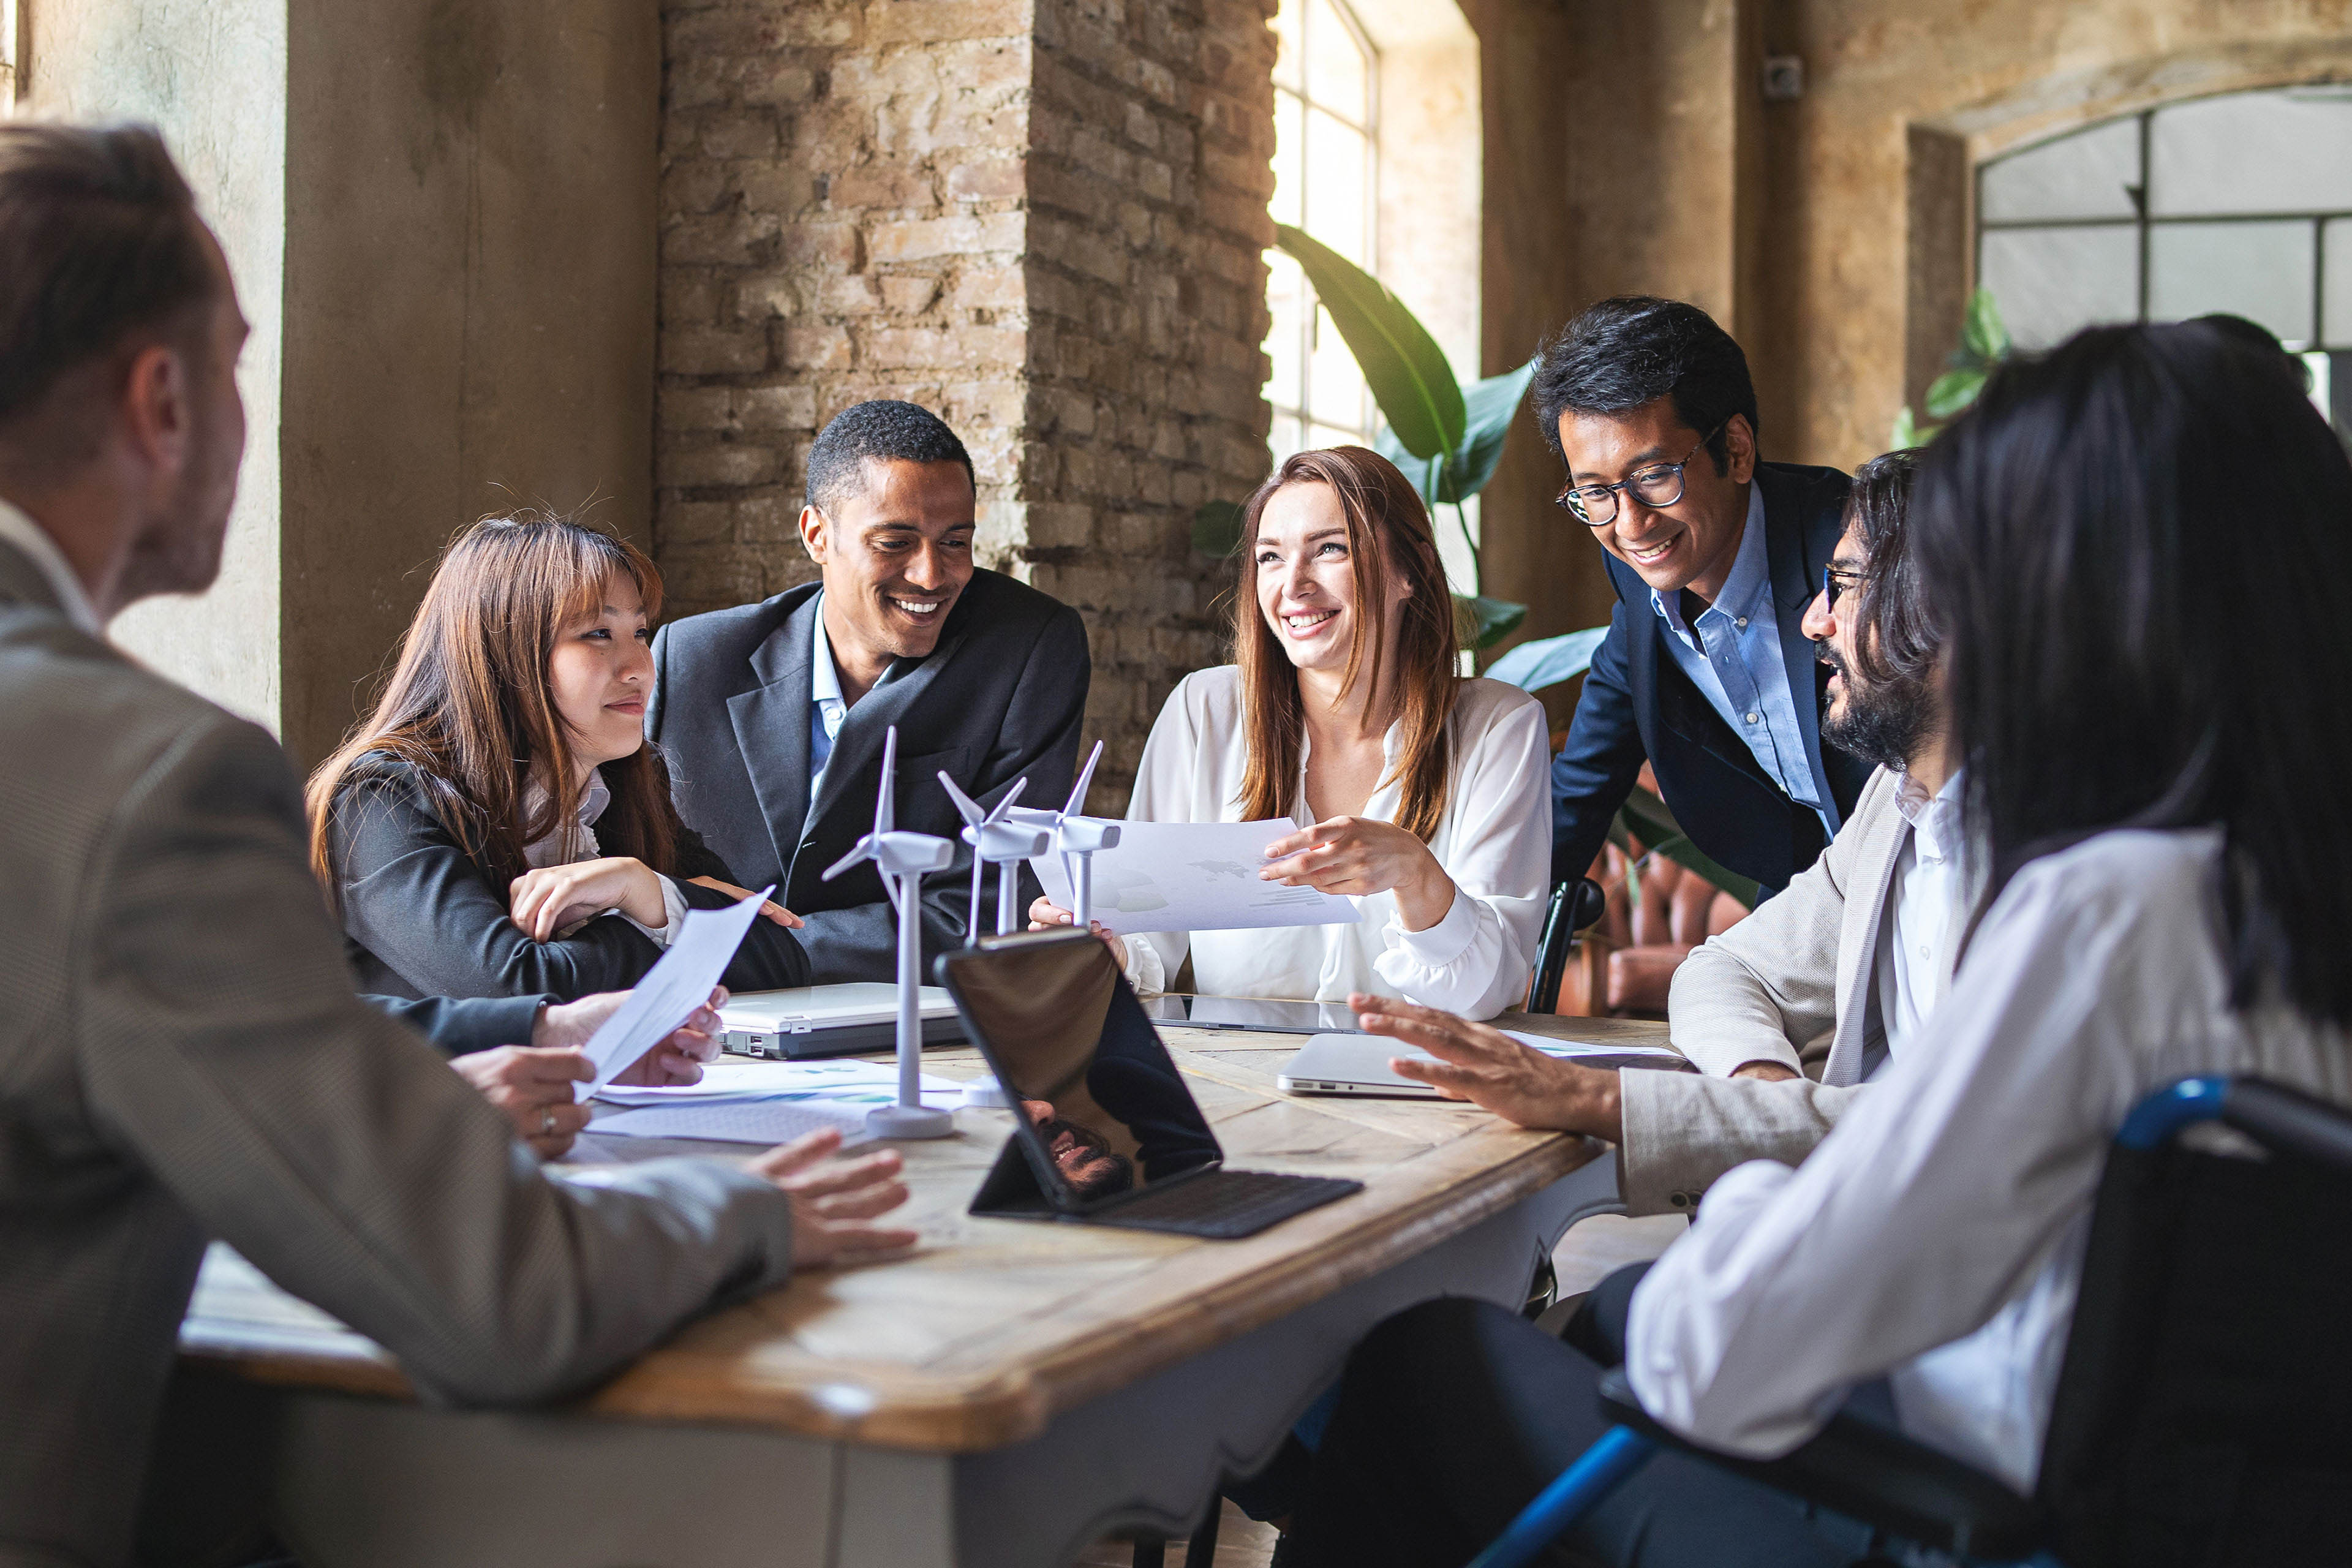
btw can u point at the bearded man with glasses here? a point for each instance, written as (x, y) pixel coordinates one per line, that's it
(1706, 673)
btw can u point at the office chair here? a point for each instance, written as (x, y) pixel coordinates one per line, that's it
(1574, 905)
(2203, 1413)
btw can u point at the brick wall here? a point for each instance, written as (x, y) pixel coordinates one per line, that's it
(1042, 218)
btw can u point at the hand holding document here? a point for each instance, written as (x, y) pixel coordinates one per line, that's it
(1194, 876)
(671, 989)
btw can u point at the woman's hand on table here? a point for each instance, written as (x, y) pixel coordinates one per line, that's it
(1481, 1063)
(832, 1203)
(531, 1085)
(1357, 856)
(770, 910)
(552, 898)
(1045, 915)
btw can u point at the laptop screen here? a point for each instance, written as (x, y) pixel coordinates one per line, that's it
(1102, 1104)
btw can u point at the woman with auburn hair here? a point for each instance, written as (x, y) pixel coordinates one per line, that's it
(478, 830)
(1418, 793)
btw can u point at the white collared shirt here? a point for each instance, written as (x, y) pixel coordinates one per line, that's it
(1936, 1235)
(30, 537)
(1494, 840)
(568, 844)
(826, 708)
(1927, 901)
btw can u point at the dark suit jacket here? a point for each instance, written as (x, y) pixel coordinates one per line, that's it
(1637, 703)
(1003, 695)
(459, 1026)
(421, 920)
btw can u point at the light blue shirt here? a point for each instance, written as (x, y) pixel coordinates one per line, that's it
(1733, 655)
(826, 709)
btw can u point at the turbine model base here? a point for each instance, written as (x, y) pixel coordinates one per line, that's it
(909, 1121)
(987, 1094)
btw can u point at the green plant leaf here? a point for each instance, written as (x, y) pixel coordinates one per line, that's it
(1908, 432)
(1484, 622)
(1216, 528)
(1984, 334)
(1647, 818)
(1953, 390)
(1489, 407)
(1547, 661)
(1402, 362)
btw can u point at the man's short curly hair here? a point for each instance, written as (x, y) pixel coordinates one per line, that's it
(884, 430)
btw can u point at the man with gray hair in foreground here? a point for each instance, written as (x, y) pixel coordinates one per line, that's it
(181, 1056)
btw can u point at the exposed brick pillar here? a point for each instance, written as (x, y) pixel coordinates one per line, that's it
(1042, 218)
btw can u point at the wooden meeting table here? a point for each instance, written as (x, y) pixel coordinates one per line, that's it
(1005, 1395)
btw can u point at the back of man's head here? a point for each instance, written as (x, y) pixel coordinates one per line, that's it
(881, 431)
(1621, 354)
(100, 249)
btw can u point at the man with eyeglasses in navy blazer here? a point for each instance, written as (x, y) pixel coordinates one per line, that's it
(1706, 673)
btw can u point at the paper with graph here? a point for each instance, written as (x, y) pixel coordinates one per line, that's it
(1194, 876)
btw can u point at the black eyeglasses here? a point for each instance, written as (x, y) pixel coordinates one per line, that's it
(1836, 581)
(1659, 485)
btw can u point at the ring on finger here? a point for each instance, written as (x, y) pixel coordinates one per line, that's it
(547, 1122)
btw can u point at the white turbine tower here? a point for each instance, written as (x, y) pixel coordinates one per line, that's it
(996, 842)
(1076, 840)
(902, 858)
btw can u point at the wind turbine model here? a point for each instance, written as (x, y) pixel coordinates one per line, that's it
(1076, 839)
(996, 842)
(901, 859)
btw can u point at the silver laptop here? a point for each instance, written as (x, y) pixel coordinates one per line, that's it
(830, 1020)
(1358, 1064)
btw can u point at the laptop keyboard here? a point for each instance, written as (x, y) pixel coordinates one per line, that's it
(1225, 1205)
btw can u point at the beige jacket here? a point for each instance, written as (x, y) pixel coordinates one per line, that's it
(182, 1058)
(1797, 969)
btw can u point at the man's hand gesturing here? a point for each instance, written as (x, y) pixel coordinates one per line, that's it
(1485, 1066)
(832, 1203)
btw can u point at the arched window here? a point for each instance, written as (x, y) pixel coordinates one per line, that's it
(2240, 203)
(1326, 115)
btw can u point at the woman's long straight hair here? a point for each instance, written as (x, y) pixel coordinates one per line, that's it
(2133, 545)
(470, 707)
(1388, 533)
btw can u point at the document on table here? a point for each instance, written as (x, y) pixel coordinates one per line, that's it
(1194, 876)
(671, 990)
(765, 1102)
(1604, 1053)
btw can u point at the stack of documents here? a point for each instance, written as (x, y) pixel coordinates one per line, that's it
(763, 1102)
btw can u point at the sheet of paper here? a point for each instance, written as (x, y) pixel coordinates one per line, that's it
(737, 1080)
(1194, 876)
(758, 1116)
(1571, 1049)
(671, 989)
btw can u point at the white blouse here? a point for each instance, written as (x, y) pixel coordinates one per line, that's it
(563, 845)
(1494, 839)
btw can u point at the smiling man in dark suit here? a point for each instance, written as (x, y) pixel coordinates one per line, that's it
(1705, 672)
(772, 714)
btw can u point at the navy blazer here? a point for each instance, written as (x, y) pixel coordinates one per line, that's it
(1638, 704)
(1002, 695)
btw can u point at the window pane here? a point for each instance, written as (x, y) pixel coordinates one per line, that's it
(1335, 388)
(1339, 208)
(1290, 204)
(2339, 287)
(1336, 67)
(2082, 175)
(1321, 436)
(2050, 282)
(1288, 437)
(2252, 152)
(2259, 270)
(1286, 340)
(1287, 72)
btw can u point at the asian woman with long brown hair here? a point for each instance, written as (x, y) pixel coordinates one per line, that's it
(1416, 792)
(499, 826)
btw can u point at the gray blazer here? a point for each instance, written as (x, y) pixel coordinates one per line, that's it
(1790, 984)
(182, 1057)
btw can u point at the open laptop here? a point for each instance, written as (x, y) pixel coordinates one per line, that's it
(1359, 1063)
(1105, 1130)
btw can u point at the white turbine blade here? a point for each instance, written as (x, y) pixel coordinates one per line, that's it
(1004, 807)
(885, 815)
(864, 850)
(967, 807)
(1085, 777)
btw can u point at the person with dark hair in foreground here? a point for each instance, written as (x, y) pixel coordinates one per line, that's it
(772, 715)
(181, 1054)
(1705, 672)
(2166, 856)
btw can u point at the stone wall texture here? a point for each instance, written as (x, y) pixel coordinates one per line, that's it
(1043, 219)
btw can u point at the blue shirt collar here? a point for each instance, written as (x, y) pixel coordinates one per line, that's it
(1750, 582)
(824, 678)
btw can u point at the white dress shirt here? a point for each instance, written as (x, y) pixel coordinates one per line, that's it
(30, 537)
(1494, 840)
(1939, 1230)
(826, 708)
(1929, 897)
(563, 845)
